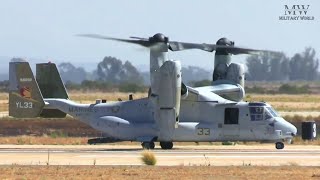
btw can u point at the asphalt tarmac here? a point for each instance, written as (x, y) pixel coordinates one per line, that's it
(239, 155)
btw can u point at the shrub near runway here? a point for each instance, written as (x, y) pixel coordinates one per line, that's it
(148, 158)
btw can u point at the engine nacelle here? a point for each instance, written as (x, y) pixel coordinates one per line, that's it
(230, 78)
(168, 99)
(235, 73)
(170, 85)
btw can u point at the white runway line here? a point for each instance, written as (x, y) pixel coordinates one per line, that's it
(17, 151)
(61, 155)
(199, 156)
(161, 152)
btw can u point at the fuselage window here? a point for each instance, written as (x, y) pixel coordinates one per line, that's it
(231, 116)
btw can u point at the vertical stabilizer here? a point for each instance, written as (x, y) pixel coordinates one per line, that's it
(25, 98)
(50, 82)
(51, 86)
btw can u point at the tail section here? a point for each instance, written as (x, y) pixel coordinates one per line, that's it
(25, 98)
(50, 82)
(51, 86)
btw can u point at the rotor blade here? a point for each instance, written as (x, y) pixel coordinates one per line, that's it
(141, 42)
(140, 38)
(238, 50)
(179, 46)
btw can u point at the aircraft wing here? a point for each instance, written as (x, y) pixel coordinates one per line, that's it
(231, 92)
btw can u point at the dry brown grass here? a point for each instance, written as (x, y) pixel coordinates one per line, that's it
(287, 102)
(283, 97)
(298, 140)
(4, 107)
(109, 96)
(44, 140)
(4, 96)
(295, 106)
(162, 172)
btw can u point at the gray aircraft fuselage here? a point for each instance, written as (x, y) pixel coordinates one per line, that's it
(204, 117)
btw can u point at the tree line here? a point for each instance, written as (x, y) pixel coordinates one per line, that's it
(279, 67)
(113, 74)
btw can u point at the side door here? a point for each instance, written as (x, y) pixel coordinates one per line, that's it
(231, 126)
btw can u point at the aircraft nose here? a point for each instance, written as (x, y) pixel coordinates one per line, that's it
(289, 128)
(293, 130)
(286, 127)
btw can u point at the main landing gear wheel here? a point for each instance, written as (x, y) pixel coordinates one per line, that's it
(148, 145)
(279, 145)
(166, 145)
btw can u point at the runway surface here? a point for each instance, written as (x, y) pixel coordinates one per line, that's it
(240, 155)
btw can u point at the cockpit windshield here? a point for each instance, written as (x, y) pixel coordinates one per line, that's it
(259, 113)
(273, 112)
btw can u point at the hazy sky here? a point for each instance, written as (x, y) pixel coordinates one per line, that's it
(44, 29)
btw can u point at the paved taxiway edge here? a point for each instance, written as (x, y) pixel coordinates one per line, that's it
(238, 155)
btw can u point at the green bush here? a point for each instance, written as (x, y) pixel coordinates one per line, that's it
(130, 87)
(293, 89)
(228, 143)
(57, 134)
(255, 89)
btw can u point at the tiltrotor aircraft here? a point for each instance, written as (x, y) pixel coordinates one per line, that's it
(171, 113)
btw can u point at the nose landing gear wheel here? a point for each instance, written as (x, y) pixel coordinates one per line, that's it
(166, 145)
(279, 145)
(148, 145)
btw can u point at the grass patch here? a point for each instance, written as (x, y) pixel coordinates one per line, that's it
(228, 143)
(43, 140)
(109, 96)
(283, 97)
(158, 172)
(148, 158)
(57, 134)
(4, 96)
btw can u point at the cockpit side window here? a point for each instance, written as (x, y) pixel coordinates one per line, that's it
(256, 113)
(267, 115)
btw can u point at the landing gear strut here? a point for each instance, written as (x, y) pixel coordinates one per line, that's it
(148, 145)
(166, 145)
(279, 145)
